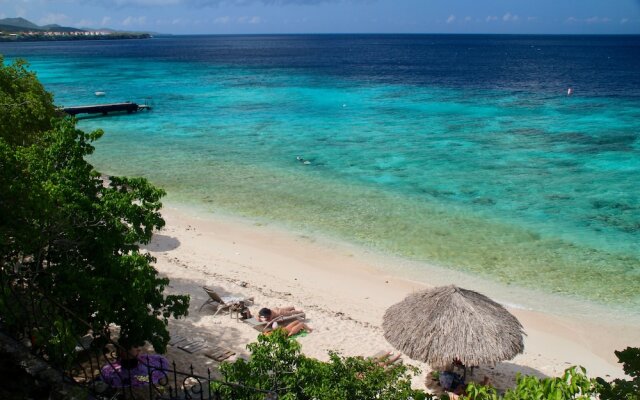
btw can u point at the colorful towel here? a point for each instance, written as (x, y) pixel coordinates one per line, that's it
(149, 365)
(302, 333)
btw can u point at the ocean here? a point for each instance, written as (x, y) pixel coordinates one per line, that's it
(462, 151)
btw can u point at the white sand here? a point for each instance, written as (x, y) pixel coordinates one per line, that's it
(344, 294)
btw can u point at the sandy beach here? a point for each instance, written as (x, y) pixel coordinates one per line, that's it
(344, 292)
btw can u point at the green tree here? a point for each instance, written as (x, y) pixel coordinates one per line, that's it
(26, 108)
(73, 235)
(621, 389)
(276, 364)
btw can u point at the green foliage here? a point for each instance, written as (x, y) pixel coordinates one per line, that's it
(26, 108)
(273, 364)
(61, 342)
(276, 364)
(66, 233)
(620, 389)
(573, 384)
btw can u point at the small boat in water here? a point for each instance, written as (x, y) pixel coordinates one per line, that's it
(99, 94)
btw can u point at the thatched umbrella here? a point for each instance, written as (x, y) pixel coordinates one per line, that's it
(447, 323)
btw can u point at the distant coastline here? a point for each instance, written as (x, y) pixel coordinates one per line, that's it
(42, 37)
(22, 30)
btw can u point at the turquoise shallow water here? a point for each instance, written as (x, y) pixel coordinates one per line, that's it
(529, 188)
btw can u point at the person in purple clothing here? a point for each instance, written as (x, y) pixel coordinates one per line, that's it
(133, 369)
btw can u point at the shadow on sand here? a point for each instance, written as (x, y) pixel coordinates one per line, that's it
(502, 376)
(197, 326)
(162, 243)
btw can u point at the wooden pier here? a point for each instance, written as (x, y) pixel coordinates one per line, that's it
(105, 109)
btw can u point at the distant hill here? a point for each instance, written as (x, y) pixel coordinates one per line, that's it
(13, 25)
(19, 23)
(58, 28)
(13, 29)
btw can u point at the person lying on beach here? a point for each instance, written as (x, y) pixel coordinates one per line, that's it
(268, 314)
(292, 328)
(387, 359)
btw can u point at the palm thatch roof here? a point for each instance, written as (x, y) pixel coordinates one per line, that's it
(444, 323)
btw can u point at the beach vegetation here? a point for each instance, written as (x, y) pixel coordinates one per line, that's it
(277, 365)
(26, 108)
(71, 235)
(572, 385)
(621, 389)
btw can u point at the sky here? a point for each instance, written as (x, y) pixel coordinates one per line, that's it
(336, 16)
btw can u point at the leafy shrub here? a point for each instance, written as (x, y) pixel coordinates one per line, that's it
(26, 108)
(620, 389)
(277, 364)
(573, 384)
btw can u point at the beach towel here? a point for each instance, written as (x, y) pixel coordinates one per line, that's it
(302, 333)
(116, 375)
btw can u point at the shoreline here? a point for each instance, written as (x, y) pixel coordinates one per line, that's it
(427, 274)
(345, 291)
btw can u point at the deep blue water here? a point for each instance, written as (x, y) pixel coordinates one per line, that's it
(593, 65)
(461, 150)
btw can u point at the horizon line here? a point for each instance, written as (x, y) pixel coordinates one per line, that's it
(385, 33)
